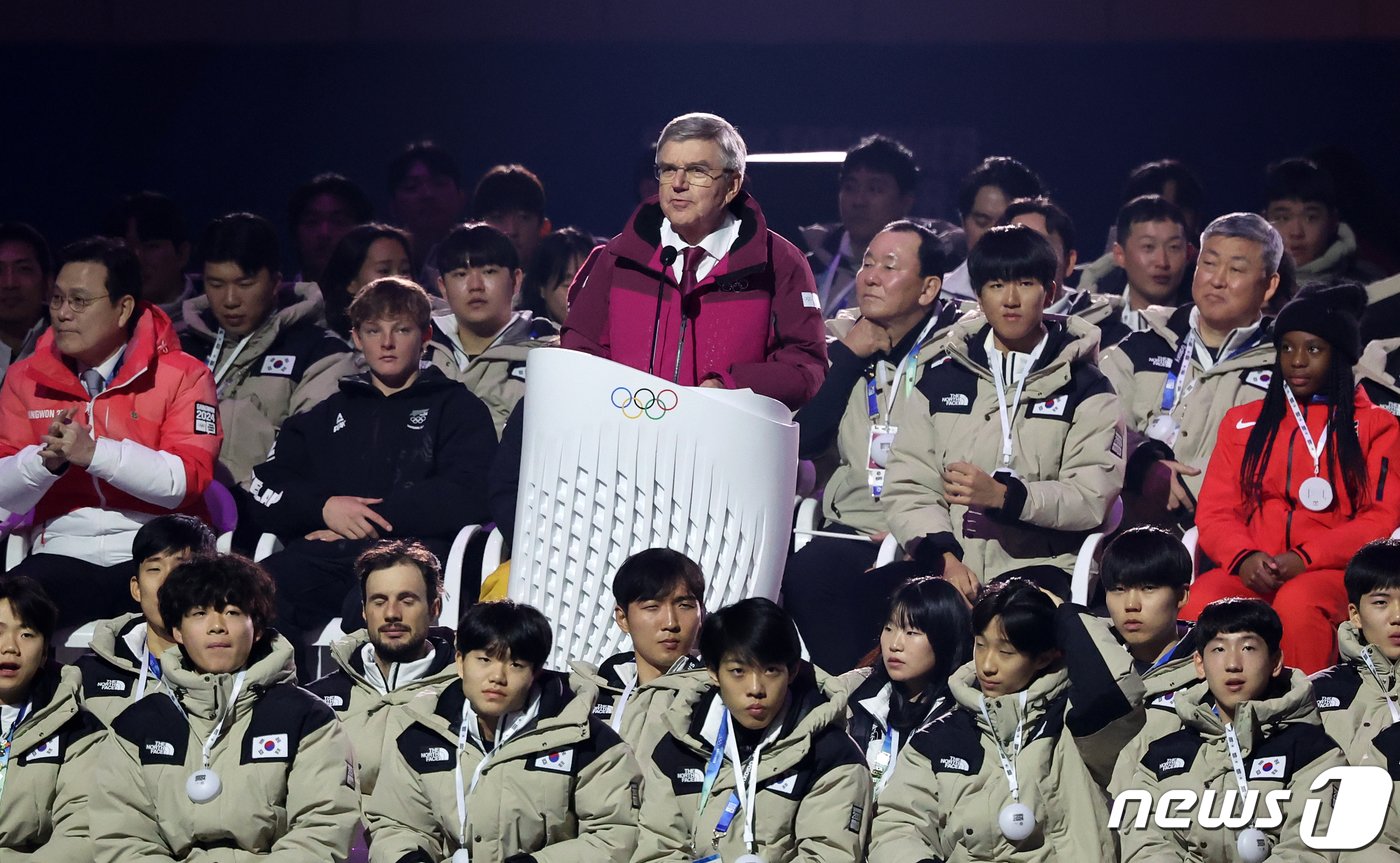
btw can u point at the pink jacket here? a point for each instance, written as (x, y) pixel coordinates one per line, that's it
(753, 321)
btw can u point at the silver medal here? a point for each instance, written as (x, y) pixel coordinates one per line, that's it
(1315, 494)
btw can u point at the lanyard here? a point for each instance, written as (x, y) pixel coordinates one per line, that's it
(883, 767)
(209, 741)
(621, 704)
(1008, 760)
(829, 277)
(1232, 743)
(712, 767)
(1376, 675)
(150, 666)
(745, 785)
(463, 789)
(1314, 448)
(6, 744)
(213, 358)
(1176, 377)
(902, 372)
(1007, 447)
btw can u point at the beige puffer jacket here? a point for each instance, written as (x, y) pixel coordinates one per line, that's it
(1068, 453)
(54, 754)
(288, 773)
(1352, 701)
(112, 670)
(564, 789)
(497, 374)
(813, 800)
(643, 714)
(945, 797)
(1282, 745)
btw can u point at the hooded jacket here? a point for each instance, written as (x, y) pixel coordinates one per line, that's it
(497, 374)
(643, 713)
(1352, 701)
(838, 416)
(111, 668)
(813, 800)
(1067, 458)
(944, 798)
(1234, 526)
(1282, 746)
(1161, 682)
(287, 769)
(1339, 261)
(53, 755)
(1139, 366)
(1377, 373)
(157, 433)
(562, 789)
(753, 322)
(289, 363)
(424, 450)
(368, 714)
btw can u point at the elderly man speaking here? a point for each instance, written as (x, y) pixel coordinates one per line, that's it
(696, 289)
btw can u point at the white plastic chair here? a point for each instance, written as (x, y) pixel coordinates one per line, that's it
(1086, 568)
(1191, 539)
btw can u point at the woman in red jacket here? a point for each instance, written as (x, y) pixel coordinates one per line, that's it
(1298, 481)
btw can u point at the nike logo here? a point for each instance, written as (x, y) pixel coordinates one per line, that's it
(1241, 424)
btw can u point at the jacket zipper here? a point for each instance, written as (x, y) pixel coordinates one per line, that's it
(1288, 492)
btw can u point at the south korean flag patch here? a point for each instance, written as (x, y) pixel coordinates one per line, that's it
(269, 746)
(49, 750)
(1269, 768)
(278, 364)
(555, 762)
(206, 418)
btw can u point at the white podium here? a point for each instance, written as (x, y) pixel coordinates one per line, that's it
(616, 461)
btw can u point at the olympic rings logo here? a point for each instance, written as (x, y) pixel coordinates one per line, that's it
(644, 402)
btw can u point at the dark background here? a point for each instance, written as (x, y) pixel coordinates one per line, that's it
(231, 111)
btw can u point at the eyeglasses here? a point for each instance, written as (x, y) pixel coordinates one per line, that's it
(77, 304)
(695, 175)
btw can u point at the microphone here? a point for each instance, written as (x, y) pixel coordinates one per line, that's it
(668, 257)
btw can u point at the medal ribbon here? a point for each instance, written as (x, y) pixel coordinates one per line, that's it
(1008, 761)
(1314, 448)
(1007, 445)
(224, 714)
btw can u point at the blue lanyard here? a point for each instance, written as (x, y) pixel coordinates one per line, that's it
(1178, 370)
(713, 767)
(153, 665)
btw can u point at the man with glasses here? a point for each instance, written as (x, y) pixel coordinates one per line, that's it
(107, 425)
(696, 289)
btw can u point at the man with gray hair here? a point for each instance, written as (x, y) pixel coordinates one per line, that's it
(1176, 380)
(696, 289)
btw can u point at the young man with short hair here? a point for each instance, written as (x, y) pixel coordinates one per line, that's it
(124, 658)
(26, 277)
(153, 227)
(51, 745)
(983, 197)
(510, 198)
(426, 197)
(263, 340)
(660, 596)
(758, 714)
(480, 339)
(1154, 253)
(400, 653)
(510, 765)
(978, 503)
(878, 182)
(1300, 200)
(234, 756)
(1360, 696)
(400, 451)
(1250, 725)
(319, 213)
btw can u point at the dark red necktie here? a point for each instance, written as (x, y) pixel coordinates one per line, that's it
(692, 258)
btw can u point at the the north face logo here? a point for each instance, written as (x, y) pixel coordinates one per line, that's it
(955, 400)
(953, 762)
(1160, 362)
(602, 710)
(339, 423)
(160, 747)
(435, 754)
(691, 775)
(333, 700)
(111, 685)
(1171, 764)
(1329, 702)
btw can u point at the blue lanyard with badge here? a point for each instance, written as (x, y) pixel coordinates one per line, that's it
(1165, 427)
(742, 797)
(881, 432)
(7, 744)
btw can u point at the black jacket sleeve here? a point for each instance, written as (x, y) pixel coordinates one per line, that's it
(288, 496)
(820, 419)
(505, 472)
(455, 494)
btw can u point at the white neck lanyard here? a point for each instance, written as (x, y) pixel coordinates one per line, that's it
(463, 789)
(891, 393)
(621, 704)
(883, 767)
(1007, 445)
(1008, 760)
(224, 714)
(1232, 743)
(1314, 448)
(145, 671)
(220, 371)
(1376, 675)
(747, 790)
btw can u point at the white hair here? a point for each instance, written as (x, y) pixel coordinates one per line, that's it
(1249, 226)
(708, 127)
